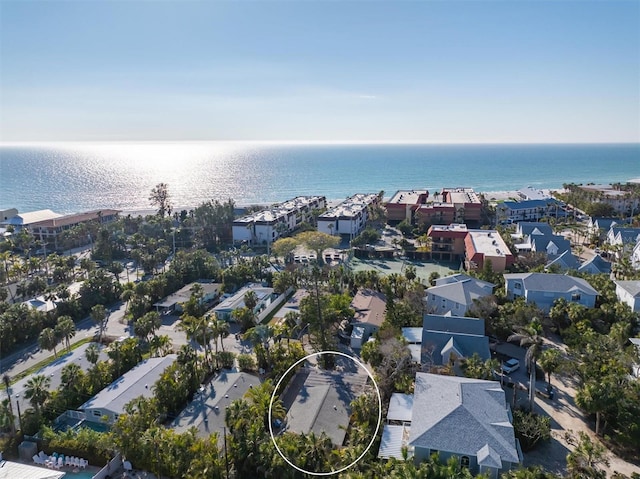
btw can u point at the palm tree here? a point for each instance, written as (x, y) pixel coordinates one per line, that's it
(219, 329)
(160, 345)
(70, 376)
(48, 340)
(37, 391)
(66, 329)
(99, 315)
(92, 353)
(550, 361)
(7, 384)
(7, 419)
(530, 337)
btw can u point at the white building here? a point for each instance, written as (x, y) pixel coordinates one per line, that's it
(349, 217)
(266, 226)
(227, 306)
(628, 292)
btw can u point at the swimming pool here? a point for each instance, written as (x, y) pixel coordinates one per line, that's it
(79, 475)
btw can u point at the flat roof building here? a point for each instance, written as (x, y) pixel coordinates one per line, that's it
(487, 245)
(349, 217)
(403, 205)
(266, 226)
(451, 205)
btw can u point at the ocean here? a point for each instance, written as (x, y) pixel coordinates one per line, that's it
(74, 177)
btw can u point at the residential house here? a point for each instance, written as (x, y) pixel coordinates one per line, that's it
(599, 227)
(266, 226)
(595, 265)
(447, 241)
(349, 217)
(455, 294)
(636, 365)
(447, 338)
(206, 413)
(106, 406)
(635, 255)
(525, 229)
(173, 302)
(622, 240)
(228, 305)
(544, 288)
(403, 205)
(562, 262)
(369, 307)
(628, 292)
(465, 418)
(487, 245)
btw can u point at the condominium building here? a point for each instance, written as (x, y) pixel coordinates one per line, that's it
(452, 205)
(266, 226)
(487, 245)
(403, 205)
(349, 217)
(447, 241)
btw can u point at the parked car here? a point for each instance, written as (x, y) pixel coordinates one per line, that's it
(510, 365)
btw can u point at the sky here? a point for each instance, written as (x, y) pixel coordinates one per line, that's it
(499, 71)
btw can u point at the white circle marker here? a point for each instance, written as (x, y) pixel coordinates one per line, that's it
(273, 395)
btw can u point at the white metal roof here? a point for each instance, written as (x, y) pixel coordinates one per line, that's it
(14, 470)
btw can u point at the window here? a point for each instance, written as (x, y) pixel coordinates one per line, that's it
(517, 286)
(575, 297)
(464, 462)
(97, 413)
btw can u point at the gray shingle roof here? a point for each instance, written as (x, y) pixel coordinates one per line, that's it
(631, 287)
(462, 416)
(453, 324)
(555, 283)
(529, 228)
(137, 382)
(596, 263)
(462, 292)
(436, 343)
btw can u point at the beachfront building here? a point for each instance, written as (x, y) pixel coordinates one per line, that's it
(18, 221)
(403, 205)
(451, 205)
(466, 418)
(621, 201)
(447, 241)
(349, 217)
(544, 289)
(486, 245)
(227, 306)
(106, 406)
(530, 193)
(266, 226)
(455, 294)
(46, 226)
(529, 210)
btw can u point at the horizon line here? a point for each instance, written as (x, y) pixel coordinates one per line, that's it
(315, 142)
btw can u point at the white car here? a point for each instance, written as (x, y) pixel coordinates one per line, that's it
(510, 366)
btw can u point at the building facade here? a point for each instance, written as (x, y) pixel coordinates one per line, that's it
(266, 226)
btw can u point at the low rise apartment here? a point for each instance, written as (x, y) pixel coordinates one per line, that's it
(266, 226)
(349, 217)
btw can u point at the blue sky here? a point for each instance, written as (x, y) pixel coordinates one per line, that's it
(433, 71)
